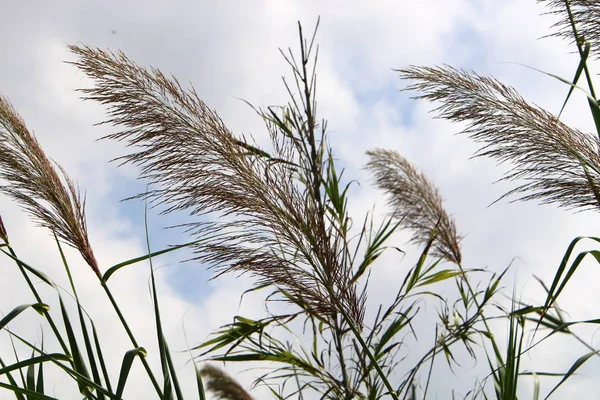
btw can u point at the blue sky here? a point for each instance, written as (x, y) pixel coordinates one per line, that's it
(228, 50)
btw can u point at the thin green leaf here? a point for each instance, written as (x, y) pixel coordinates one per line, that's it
(201, 393)
(43, 277)
(117, 267)
(438, 277)
(30, 381)
(39, 385)
(580, 361)
(18, 310)
(126, 367)
(35, 360)
(593, 103)
(580, 68)
(29, 393)
(78, 362)
(101, 358)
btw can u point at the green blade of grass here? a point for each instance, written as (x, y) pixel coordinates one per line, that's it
(169, 377)
(201, 393)
(101, 358)
(78, 363)
(18, 310)
(126, 367)
(578, 363)
(39, 384)
(438, 277)
(30, 377)
(12, 381)
(29, 393)
(43, 277)
(117, 267)
(82, 322)
(582, 65)
(593, 103)
(35, 360)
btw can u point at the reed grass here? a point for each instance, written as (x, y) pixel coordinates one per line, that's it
(279, 213)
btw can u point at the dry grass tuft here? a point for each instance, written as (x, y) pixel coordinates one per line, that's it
(416, 202)
(223, 386)
(33, 182)
(269, 219)
(557, 163)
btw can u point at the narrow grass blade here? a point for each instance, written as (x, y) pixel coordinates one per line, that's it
(35, 360)
(31, 394)
(553, 292)
(536, 387)
(117, 267)
(19, 309)
(43, 277)
(593, 103)
(163, 349)
(82, 322)
(416, 273)
(201, 393)
(39, 384)
(582, 65)
(438, 277)
(78, 362)
(12, 381)
(30, 380)
(580, 361)
(396, 326)
(126, 367)
(101, 358)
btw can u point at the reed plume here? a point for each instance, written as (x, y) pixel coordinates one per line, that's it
(31, 179)
(415, 202)
(223, 386)
(269, 207)
(557, 164)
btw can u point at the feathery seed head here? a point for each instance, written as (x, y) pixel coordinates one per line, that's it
(33, 182)
(416, 202)
(557, 164)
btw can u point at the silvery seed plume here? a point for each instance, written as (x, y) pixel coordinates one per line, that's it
(32, 181)
(223, 386)
(557, 164)
(265, 223)
(584, 14)
(416, 202)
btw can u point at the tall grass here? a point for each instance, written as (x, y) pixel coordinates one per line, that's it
(279, 213)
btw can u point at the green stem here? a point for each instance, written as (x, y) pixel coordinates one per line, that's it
(483, 319)
(338, 346)
(366, 349)
(132, 338)
(578, 42)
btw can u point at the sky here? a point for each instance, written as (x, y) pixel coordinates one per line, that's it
(228, 50)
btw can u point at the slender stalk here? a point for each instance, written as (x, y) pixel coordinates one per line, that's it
(132, 338)
(337, 338)
(578, 42)
(366, 349)
(482, 315)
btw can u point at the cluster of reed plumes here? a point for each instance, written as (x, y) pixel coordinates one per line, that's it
(279, 213)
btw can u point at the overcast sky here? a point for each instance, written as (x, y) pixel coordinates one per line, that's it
(229, 50)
